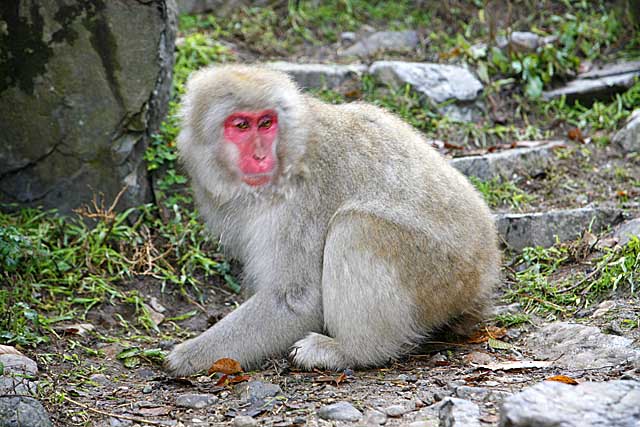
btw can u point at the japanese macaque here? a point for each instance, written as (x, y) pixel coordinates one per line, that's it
(357, 238)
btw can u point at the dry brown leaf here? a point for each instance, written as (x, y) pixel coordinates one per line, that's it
(563, 379)
(518, 364)
(452, 146)
(225, 366)
(483, 335)
(238, 379)
(575, 134)
(328, 379)
(155, 411)
(7, 349)
(77, 329)
(223, 381)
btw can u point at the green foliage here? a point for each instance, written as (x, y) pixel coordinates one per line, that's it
(582, 35)
(71, 264)
(497, 193)
(509, 320)
(267, 31)
(196, 50)
(540, 287)
(600, 115)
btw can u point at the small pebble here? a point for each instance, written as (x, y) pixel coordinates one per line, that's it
(244, 421)
(341, 411)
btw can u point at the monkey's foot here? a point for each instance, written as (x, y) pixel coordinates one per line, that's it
(318, 351)
(181, 361)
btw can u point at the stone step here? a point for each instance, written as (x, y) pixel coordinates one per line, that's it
(509, 163)
(600, 83)
(519, 231)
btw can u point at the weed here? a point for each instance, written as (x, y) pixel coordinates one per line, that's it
(539, 288)
(497, 193)
(509, 320)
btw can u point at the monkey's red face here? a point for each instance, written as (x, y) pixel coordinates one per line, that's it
(254, 135)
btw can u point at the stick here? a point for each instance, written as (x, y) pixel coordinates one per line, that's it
(111, 414)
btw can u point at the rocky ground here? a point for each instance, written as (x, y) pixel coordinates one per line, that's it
(551, 355)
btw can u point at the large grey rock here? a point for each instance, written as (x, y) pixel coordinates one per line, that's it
(383, 41)
(506, 164)
(341, 411)
(554, 404)
(82, 87)
(574, 346)
(456, 412)
(625, 231)
(628, 138)
(438, 83)
(319, 76)
(22, 411)
(600, 83)
(543, 228)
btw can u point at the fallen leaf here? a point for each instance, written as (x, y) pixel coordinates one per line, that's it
(499, 345)
(77, 329)
(238, 379)
(7, 349)
(355, 93)
(483, 335)
(518, 364)
(223, 381)
(154, 412)
(563, 379)
(575, 134)
(225, 366)
(451, 146)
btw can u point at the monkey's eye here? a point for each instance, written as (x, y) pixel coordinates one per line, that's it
(265, 123)
(241, 124)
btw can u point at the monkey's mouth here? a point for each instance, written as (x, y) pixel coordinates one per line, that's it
(256, 180)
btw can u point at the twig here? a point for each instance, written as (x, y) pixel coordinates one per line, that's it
(111, 414)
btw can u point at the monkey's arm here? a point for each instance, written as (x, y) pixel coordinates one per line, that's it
(267, 324)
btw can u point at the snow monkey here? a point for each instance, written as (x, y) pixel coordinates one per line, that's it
(357, 238)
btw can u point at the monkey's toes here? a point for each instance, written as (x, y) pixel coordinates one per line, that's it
(318, 351)
(179, 363)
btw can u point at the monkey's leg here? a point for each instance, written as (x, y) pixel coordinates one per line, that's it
(369, 313)
(267, 324)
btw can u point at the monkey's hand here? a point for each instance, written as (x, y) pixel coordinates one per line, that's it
(267, 324)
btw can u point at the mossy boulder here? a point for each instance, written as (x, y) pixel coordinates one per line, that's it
(83, 85)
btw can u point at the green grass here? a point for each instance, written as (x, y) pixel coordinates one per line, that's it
(500, 193)
(58, 268)
(537, 285)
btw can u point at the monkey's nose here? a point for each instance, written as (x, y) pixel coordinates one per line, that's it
(259, 157)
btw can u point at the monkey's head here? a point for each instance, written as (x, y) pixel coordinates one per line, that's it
(241, 128)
